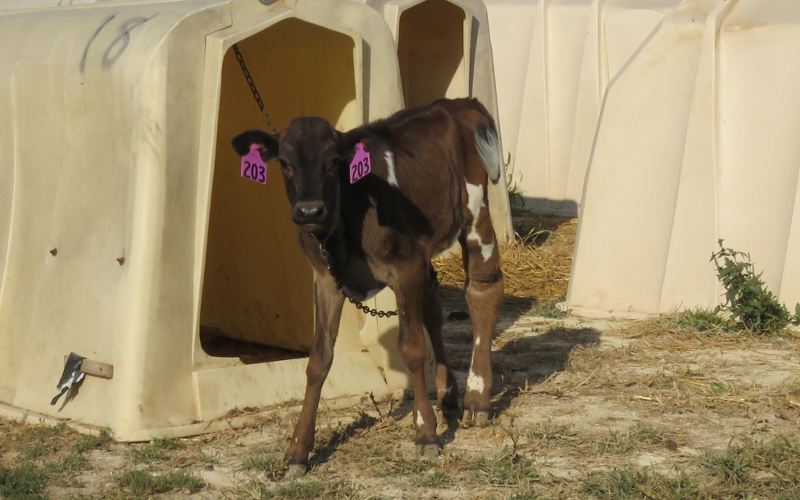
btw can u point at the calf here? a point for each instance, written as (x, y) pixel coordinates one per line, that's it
(427, 188)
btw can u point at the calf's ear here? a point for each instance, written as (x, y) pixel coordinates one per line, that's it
(267, 143)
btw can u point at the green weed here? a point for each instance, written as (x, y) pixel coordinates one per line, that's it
(747, 299)
(547, 309)
(515, 198)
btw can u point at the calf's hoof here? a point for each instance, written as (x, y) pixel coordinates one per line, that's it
(294, 471)
(478, 418)
(447, 416)
(430, 450)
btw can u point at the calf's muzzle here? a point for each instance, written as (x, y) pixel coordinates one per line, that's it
(309, 213)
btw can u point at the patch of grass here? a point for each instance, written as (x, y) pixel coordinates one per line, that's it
(622, 442)
(527, 495)
(51, 454)
(547, 309)
(143, 482)
(41, 433)
(25, 481)
(202, 457)
(35, 450)
(793, 387)
(506, 469)
(309, 488)
(729, 466)
(68, 465)
(158, 450)
(268, 462)
(700, 320)
(402, 467)
(561, 435)
(757, 468)
(92, 442)
(631, 483)
(434, 479)
(747, 298)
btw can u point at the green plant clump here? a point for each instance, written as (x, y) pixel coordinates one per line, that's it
(747, 299)
(515, 197)
(701, 320)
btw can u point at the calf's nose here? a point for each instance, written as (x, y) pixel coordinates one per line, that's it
(309, 211)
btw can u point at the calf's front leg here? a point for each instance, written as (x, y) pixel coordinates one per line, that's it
(329, 301)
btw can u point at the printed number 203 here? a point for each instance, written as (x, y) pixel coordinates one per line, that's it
(360, 169)
(255, 172)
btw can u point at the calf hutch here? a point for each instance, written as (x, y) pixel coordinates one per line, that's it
(697, 141)
(127, 234)
(553, 62)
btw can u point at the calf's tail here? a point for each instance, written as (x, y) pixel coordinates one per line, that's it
(488, 145)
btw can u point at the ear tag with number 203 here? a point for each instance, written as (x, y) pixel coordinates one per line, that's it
(253, 167)
(361, 165)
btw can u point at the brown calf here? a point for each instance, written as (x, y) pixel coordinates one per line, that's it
(427, 188)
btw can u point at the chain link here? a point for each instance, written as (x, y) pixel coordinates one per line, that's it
(252, 84)
(361, 307)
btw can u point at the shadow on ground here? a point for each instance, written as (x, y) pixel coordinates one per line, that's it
(530, 360)
(519, 363)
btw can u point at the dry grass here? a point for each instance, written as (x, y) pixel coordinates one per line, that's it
(536, 264)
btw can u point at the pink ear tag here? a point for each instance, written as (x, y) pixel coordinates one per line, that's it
(253, 167)
(361, 165)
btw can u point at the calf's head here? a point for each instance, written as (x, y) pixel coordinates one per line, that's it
(312, 167)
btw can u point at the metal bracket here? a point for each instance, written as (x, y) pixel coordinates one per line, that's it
(95, 368)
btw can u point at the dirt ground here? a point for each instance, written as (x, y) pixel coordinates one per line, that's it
(584, 409)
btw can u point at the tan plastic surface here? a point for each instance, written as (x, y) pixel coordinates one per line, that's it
(553, 62)
(697, 141)
(116, 170)
(444, 50)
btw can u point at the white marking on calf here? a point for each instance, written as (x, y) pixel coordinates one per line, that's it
(486, 249)
(392, 179)
(474, 382)
(474, 200)
(420, 420)
(477, 341)
(474, 205)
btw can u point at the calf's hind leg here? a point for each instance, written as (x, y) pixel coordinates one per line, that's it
(412, 278)
(446, 388)
(484, 291)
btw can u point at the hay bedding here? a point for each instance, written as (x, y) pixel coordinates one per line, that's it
(536, 264)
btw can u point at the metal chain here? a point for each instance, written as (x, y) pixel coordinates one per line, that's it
(252, 84)
(361, 307)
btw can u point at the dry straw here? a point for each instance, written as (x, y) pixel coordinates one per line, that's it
(535, 264)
